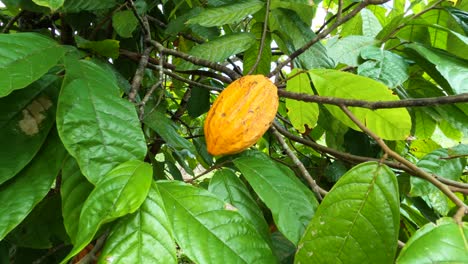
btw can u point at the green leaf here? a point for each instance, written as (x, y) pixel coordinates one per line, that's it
(209, 230)
(363, 204)
(168, 131)
(142, 237)
(199, 101)
(460, 16)
(98, 128)
(219, 49)
(227, 186)
(24, 58)
(291, 203)
(119, 193)
(124, 23)
(455, 71)
(75, 6)
(305, 9)
(302, 114)
(370, 24)
(74, 190)
(438, 164)
(291, 34)
(250, 55)
(107, 48)
(424, 125)
(26, 119)
(226, 14)
(391, 124)
(20, 195)
(347, 50)
(52, 4)
(443, 242)
(384, 66)
(43, 228)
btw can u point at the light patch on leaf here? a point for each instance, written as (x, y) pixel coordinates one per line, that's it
(230, 207)
(33, 115)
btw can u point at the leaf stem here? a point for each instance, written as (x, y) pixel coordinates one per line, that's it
(262, 40)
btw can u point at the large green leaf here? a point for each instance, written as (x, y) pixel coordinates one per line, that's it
(347, 50)
(226, 14)
(219, 49)
(26, 119)
(226, 185)
(291, 34)
(119, 193)
(107, 47)
(357, 222)
(250, 55)
(71, 6)
(20, 195)
(124, 23)
(24, 58)
(167, 129)
(290, 202)
(370, 24)
(391, 124)
(74, 191)
(384, 66)
(305, 9)
(301, 114)
(208, 230)
(98, 127)
(142, 237)
(454, 70)
(443, 242)
(52, 4)
(438, 164)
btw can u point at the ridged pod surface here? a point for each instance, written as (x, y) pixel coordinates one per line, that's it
(240, 115)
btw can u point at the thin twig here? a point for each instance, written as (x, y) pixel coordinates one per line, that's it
(140, 71)
(319, 192)
(12, 21)
(416, 170)
(210, 169)
(340, 10)
(153, 88)
(262, 40)
(414, 102)
(91, 256)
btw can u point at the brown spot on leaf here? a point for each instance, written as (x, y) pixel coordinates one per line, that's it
(33, 115)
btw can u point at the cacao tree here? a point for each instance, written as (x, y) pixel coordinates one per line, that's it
(103, 154)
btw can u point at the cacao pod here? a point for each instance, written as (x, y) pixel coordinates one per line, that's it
(240, 115)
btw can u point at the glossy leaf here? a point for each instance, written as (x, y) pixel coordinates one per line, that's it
(209, 230)
(455, 71)
(391, 124)
(219, 49)
(52, 4)
(292, 206)
(119, 193)
(364, 203)
(443, 242)
(226, 14)
(305, 9)
(424, 124)
(98, 128)
(142, 237)
(384, 66)
(302, 114)
(437, 163)
(72, 6)
(124, 23)
(20, 195)
(26, 119)
(167, 130)
(347, 50)
(227, 186)
(24, 58)
(74, 191)
(291, 34)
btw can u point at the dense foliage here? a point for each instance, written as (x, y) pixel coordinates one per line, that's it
(103, 156)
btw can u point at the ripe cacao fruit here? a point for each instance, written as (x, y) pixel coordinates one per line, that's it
(240, 115)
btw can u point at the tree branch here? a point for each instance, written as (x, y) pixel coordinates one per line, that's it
(305, 174)
(463, 209)
(12, 21)
(416, 102)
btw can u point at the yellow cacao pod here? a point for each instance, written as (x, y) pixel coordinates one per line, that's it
(240, 115)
